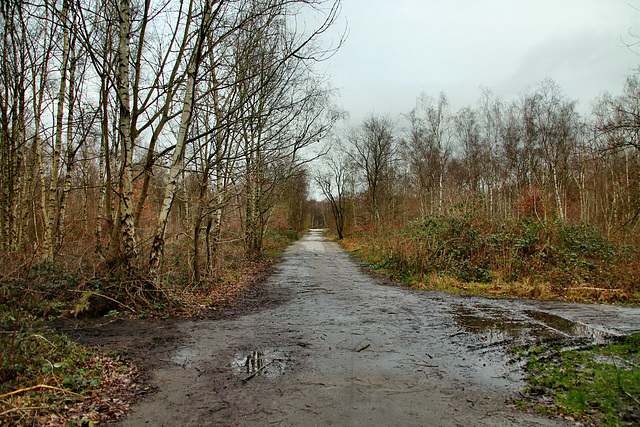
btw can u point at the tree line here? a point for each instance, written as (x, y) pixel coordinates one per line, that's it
(535, 156)
(126, 122)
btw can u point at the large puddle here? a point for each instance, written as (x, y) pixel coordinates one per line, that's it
(499, 325)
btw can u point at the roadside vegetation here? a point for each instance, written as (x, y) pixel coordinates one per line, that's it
(47, 379)
(525, 257)
(594, 383)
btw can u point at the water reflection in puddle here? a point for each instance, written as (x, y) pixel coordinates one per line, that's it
(184, 357)
(565, 326)
(495, 324)
(267, 363)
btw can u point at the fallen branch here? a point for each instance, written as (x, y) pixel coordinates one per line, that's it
(35, 387)
(29, 408)
(362, 348)
(258, 371)
(591, 288)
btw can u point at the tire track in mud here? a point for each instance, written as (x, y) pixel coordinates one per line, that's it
(345, 348)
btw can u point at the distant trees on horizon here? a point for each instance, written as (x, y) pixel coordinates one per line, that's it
(534, 156)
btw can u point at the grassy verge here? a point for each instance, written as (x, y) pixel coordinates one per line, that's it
(468, 253)
(598, 384)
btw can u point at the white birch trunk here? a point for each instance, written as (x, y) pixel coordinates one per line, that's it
(126, 214)
(157, 247)
(57, 148)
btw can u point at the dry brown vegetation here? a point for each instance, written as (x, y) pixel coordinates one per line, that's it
(525, 198)
(152, 163)
(517, 258)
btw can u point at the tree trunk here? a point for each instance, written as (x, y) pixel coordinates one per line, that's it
(199, 216)
(71, 151)
(157, 246)
(37, 148)
(125, 212)
(52, 206)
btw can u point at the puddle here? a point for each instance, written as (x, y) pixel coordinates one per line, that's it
(266, 363)
(565, 326)
(184, 357)
(494, 324)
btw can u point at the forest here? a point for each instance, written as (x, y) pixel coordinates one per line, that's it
(151, 143)
(155, 146)
(157, 156)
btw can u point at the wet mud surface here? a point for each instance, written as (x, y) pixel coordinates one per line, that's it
(324, 343)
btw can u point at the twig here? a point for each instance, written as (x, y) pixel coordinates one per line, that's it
(35, 387)
(631, 397)
(362, 348)
(426, 365)
(28, 408)
(41, 337)
(258, 371)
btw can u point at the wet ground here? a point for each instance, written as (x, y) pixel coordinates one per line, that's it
(333, 346)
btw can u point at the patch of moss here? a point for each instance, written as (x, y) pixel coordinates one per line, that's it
(596, 383)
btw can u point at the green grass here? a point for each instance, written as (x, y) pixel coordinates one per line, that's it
(599, 384)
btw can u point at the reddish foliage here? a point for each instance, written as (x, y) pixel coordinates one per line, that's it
(531, 203)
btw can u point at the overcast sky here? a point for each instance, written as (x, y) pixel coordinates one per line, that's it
(396, 50)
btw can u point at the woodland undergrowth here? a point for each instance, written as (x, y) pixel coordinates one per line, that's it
(463, 251)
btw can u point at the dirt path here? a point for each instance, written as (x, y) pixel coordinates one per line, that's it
(335, 347)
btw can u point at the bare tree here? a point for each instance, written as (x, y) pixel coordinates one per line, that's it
(334, 182)
(468, 134)
(553, 122)
(490, 117)
(429, 147)
(619, 117)
(373, 150)
(209, 13)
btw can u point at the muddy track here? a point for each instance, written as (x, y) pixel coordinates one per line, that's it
(331, 345)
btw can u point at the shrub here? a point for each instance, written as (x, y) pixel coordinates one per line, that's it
(472, 248)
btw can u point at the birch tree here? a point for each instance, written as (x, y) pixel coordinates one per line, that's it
(554, 123)
(208, 15)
